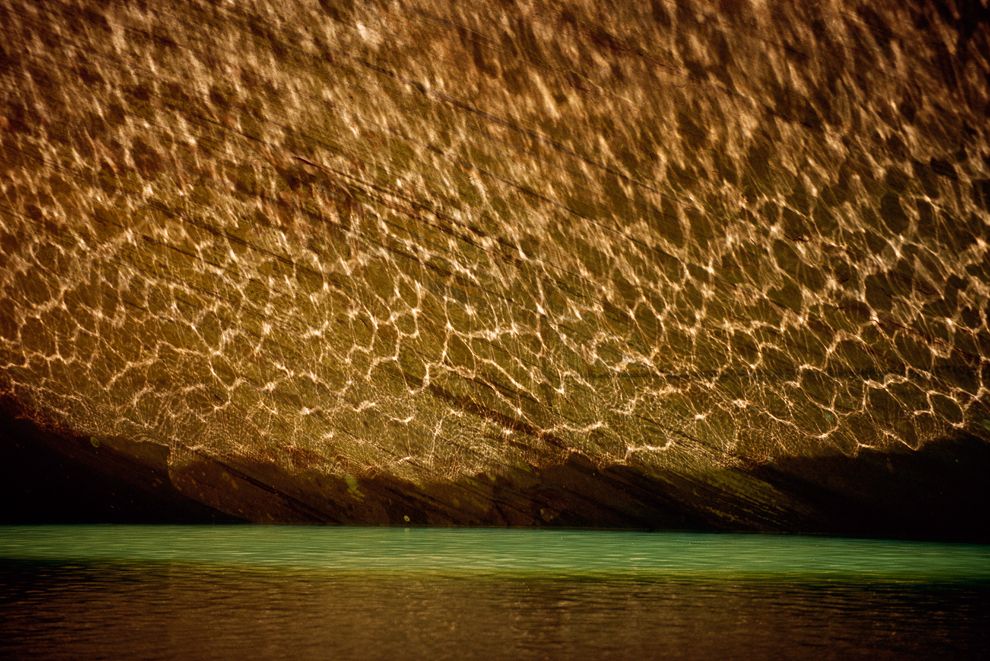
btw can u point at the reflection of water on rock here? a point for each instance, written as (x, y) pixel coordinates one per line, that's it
(431, 242)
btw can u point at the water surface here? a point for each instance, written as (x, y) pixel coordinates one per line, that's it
(320, 592)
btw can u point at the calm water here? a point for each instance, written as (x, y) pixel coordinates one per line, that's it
(319, 592)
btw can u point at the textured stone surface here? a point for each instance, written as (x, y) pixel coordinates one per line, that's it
(682, 264)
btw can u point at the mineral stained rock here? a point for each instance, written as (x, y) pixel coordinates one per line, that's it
(662, 264)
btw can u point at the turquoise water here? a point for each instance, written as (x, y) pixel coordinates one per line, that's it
(337, 592)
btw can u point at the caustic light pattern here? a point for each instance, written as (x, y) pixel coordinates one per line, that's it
(436, 241)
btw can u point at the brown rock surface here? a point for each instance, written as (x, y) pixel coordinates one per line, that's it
(676, 265)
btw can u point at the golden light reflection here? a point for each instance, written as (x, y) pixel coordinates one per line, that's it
(431, 240)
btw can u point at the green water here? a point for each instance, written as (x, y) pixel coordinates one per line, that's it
(473, 552)
(322, 592)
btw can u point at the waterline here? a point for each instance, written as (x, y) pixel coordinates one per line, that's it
(476, 552)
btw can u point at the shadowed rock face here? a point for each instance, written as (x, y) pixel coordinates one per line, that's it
(677, 265)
